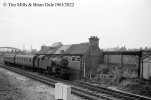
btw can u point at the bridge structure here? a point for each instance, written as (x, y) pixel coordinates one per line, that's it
(9, 50)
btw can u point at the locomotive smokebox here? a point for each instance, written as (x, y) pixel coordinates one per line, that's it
(63, 62)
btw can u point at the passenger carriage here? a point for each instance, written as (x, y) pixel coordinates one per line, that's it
(24, 60)
(9, 59)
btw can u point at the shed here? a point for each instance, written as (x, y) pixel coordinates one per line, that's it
(146, 67)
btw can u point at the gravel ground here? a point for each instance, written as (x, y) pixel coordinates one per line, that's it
(17, 87)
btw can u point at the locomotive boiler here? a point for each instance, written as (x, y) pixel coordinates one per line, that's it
(59, 68)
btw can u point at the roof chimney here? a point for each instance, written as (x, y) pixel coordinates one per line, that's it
(94, 41)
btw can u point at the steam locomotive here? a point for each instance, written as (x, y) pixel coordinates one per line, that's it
(53, 66)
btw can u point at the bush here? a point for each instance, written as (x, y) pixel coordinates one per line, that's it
(105, 71)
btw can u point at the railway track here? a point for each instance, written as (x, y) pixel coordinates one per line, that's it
(82, 89)
(77, 91)
(105, 92)
(115, 93)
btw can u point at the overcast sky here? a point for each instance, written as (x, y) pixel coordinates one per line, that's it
(115, 22)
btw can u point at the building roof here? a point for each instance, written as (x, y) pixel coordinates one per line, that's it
(146, 56)
(58, 48)
(44, 50)
(57, 44)
(122, 52)
(62, 49)
(50, 49)
(78, 48)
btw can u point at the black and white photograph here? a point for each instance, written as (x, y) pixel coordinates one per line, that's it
(75, 49)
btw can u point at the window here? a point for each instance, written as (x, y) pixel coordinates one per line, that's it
(78, 58)
(73, 58)
(66, 57)
(69, 58)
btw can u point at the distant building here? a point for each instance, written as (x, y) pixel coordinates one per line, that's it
(30, 52)
(33, 51)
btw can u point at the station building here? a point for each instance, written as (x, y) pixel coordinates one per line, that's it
(84, 58)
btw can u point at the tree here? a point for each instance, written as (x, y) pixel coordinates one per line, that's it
(146, 48)
(140, 48)
(123, 49)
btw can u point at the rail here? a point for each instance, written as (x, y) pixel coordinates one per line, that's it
(82, 89)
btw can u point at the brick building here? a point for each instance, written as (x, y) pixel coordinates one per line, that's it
(84, 58)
